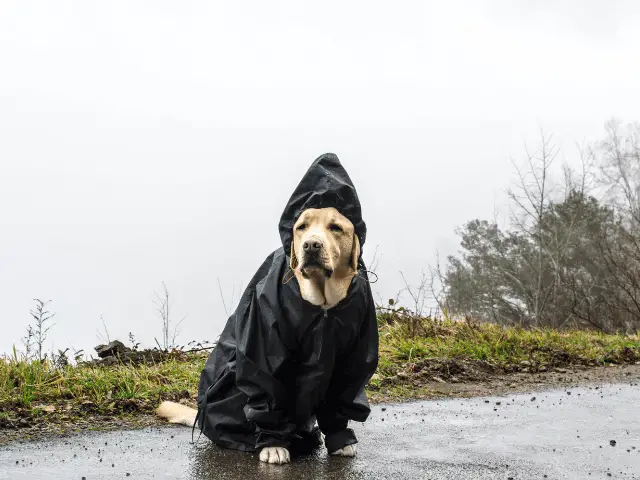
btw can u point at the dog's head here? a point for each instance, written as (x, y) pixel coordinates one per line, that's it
(324, 244)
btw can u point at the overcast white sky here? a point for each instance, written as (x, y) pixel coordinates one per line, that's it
(143, 142)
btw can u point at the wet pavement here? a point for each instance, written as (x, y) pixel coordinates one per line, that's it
(580, 433)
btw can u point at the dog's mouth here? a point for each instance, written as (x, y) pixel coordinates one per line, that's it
(313, 266)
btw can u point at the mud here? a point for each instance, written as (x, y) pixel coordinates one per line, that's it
(566, 433)
(469, 379)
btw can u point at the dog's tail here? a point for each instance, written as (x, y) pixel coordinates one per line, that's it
(177, 413)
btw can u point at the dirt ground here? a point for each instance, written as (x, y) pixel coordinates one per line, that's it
(469, 382)
(497, 384)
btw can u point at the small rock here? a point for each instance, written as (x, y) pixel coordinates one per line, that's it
(112, 349)
(612, 443)
(87, 405)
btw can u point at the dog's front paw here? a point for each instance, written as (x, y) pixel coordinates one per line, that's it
(277, 455)
(346, 451)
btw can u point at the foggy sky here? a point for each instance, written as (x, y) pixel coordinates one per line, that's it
(143, 142)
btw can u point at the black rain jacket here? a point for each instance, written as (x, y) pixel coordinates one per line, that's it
(282, 363)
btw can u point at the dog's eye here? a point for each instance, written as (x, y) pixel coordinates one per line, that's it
(335, 228)
(302, 226)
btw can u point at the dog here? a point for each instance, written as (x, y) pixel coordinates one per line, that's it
(325, 260)
(328, 250)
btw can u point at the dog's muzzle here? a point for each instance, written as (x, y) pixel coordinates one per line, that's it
(312, 261)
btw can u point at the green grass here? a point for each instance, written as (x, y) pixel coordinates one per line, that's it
(498, 345)
(26, 387)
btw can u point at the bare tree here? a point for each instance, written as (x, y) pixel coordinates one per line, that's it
(531, 196)
(169, 330)
(41, 317)
(418, 293)
(620, 244)
(620, 168)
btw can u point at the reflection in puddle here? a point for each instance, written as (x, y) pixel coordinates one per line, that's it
(211, 462)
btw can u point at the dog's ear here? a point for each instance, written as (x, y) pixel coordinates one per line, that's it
(355, 253)
(293, 261)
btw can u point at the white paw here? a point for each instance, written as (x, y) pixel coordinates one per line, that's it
(346, 451)
(277, 455)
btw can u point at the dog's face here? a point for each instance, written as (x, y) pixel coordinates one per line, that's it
(324, 244)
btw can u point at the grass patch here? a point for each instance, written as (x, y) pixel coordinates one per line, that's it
(410, 352)
(499, 345)
(95, 389)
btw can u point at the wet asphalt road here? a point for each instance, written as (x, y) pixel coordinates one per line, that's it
(561, 434)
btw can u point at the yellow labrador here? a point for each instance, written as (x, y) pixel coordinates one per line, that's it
(324, 257)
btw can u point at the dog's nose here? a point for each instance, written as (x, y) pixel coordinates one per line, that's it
(312, 246)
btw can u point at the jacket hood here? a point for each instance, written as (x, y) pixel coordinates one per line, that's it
(326, 184)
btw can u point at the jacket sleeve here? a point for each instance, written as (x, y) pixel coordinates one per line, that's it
(346, 398)
(260, 357)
